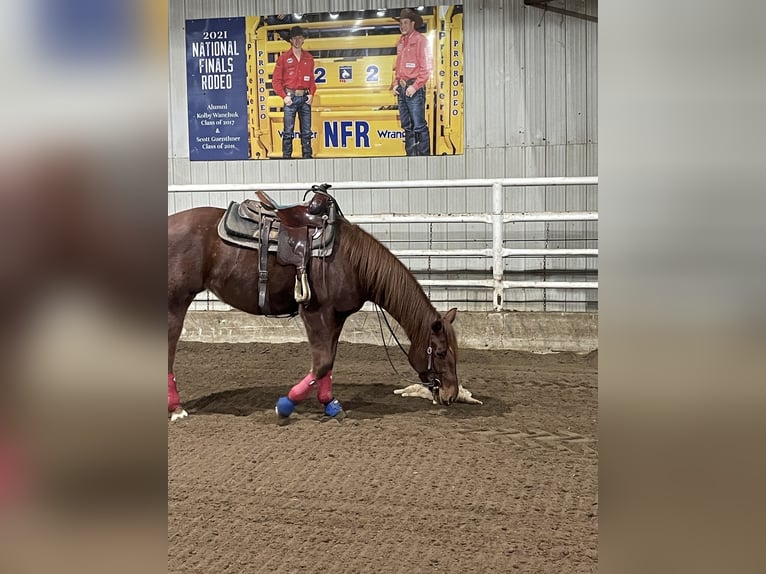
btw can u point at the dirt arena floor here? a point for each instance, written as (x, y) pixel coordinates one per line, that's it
(400, 486)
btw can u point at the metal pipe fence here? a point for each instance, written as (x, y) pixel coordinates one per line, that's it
(496, 218)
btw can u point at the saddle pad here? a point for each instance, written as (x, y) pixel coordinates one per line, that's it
(238, 226)
(244, 232)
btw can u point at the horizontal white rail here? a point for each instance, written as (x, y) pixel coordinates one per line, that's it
(503, 182)
(509, 284)
(491, 252)
(474, 218)
(490, 283)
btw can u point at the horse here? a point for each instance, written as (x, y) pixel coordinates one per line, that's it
(359, 269)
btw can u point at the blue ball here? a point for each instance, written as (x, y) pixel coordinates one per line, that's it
(285, 406)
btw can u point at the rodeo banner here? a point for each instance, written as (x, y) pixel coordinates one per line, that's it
(367, 83)
(216, 81)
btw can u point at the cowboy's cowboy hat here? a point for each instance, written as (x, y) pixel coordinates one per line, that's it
(410, 14)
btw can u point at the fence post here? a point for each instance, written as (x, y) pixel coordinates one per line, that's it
(497, 245)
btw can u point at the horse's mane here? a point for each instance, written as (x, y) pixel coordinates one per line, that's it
(389, 283)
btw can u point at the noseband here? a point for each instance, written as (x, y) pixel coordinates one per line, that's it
(433, 383)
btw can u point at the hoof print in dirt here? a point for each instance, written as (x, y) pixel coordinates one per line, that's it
(339, 417)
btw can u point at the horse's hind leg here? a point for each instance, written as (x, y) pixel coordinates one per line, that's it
(176, 314)
(323, 333)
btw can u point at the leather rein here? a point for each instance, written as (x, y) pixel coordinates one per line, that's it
(433, 382)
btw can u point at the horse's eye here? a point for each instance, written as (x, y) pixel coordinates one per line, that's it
(442, 355)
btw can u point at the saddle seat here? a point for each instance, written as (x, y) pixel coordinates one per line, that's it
(297, 214)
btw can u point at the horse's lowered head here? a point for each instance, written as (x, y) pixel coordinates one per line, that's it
(436, 361)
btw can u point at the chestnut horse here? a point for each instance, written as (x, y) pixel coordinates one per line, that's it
(359, 269)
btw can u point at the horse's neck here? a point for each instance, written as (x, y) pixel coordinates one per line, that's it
(415, 315)
(392, 286)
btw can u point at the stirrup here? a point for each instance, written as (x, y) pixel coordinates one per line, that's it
(302, 291)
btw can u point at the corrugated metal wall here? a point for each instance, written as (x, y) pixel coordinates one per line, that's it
(530, 110)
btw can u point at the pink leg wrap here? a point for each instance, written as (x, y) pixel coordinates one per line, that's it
(174, 400)
(324, 392)
(302, 390)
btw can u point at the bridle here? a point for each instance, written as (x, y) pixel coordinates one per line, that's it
(432, 381)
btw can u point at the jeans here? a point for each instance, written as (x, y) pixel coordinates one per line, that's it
(412, 112)
(303, 110)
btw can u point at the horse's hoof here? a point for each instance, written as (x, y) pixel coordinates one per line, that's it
(282, 420)
(178, 414)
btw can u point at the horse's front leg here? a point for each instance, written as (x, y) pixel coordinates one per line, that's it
(323, 329)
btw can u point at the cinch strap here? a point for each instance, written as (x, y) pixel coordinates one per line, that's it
(263, 266)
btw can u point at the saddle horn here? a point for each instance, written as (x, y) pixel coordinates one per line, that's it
(321, 200)
(321, 188)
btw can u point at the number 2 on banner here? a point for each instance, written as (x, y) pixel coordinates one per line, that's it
(372, 73)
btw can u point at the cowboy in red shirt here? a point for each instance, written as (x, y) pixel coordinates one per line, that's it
(293, 81)
(412, 71)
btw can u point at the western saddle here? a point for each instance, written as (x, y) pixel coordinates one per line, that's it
(295, 232)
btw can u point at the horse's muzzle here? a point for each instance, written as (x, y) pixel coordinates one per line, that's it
(440, 400)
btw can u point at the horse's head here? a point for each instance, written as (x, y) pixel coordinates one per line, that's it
(441, 360)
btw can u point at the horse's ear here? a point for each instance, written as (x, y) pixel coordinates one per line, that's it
(449, 316)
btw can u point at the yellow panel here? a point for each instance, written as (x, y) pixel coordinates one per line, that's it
(350, 43)
(355, 73)
(454, 122)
